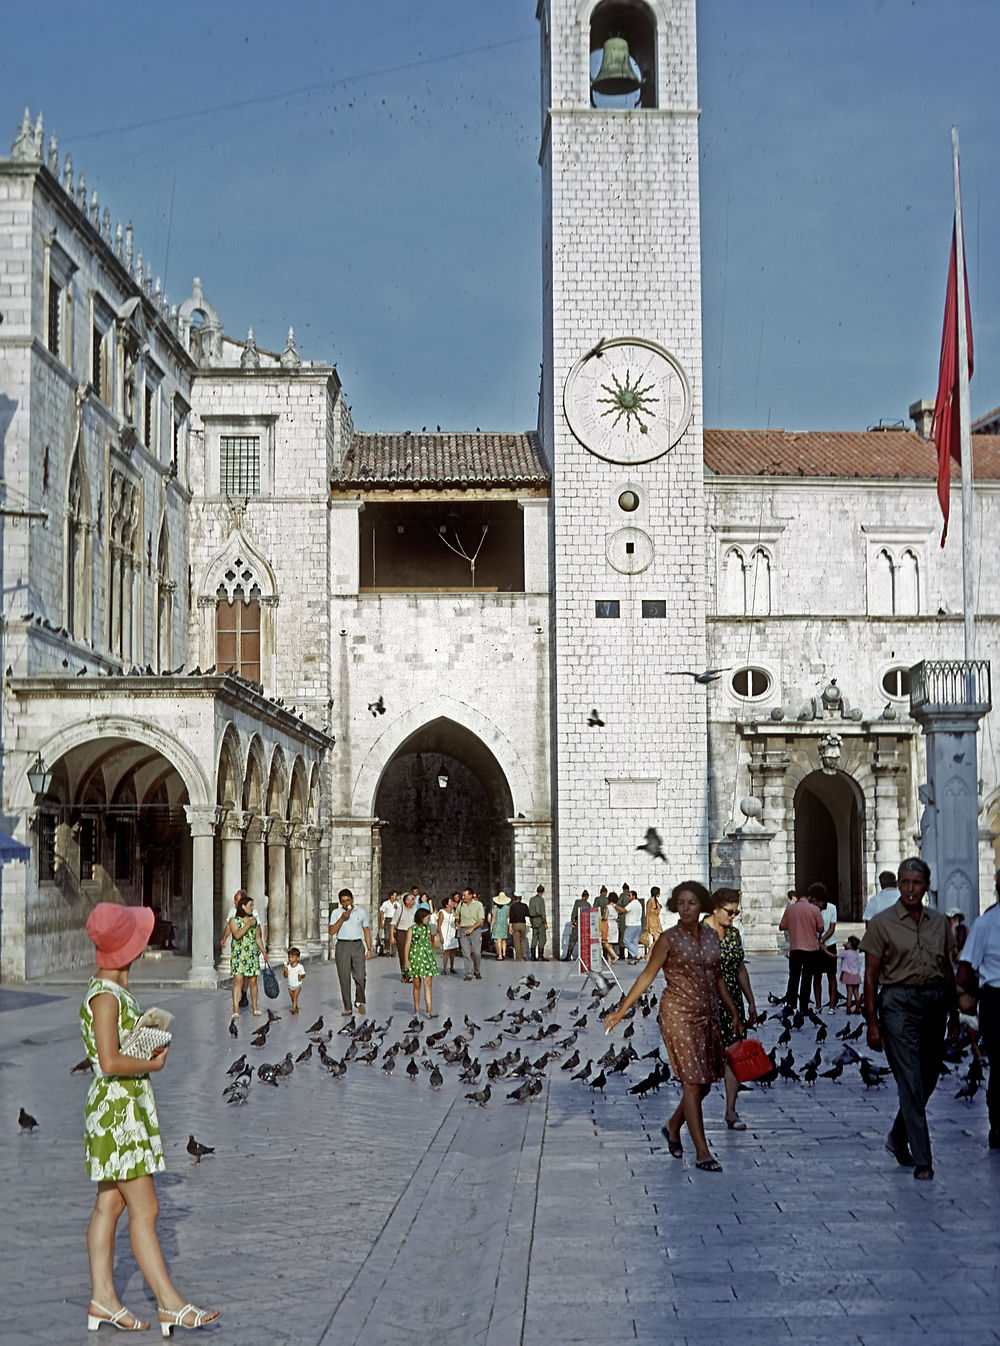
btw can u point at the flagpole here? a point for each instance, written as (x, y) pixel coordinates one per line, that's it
(968, 601)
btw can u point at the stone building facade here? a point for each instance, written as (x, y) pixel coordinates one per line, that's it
(255, 646)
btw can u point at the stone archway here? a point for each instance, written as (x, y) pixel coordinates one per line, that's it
(444, 837)
(829, 832)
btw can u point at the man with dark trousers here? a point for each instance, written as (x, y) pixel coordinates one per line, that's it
(979, 973)
(539, 919)
(910, 997)
(804, 924)
(574, 924)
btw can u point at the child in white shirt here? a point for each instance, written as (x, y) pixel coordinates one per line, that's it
(293, 972)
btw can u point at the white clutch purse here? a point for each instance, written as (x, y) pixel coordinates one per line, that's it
(149, 1033)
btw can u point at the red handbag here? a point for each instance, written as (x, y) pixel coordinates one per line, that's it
(748, 1060)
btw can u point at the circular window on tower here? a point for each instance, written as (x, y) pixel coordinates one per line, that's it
(629, 501)
(896, 683)
(750, 684)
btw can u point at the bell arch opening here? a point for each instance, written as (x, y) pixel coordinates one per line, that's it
(829, 831)
(444, 806)
(623, 55)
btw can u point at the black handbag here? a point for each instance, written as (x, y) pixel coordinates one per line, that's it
(271, 987)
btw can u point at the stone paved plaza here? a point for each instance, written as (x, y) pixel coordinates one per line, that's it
(372, 1210)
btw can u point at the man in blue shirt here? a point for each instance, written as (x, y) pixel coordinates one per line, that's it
(354, 948)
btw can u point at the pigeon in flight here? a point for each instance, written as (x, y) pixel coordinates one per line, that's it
(706, 675)
(376, 707)
(653, 845)
(594, 720)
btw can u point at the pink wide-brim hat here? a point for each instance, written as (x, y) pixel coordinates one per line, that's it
(119, 933)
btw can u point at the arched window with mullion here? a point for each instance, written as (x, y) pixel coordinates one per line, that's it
(237, 632)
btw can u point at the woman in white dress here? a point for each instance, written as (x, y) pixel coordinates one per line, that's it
(447, 933)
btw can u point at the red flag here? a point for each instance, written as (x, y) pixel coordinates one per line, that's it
(947, 428)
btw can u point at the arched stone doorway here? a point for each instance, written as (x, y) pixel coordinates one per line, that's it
(443, 837)
(113, 827)
(829, 827)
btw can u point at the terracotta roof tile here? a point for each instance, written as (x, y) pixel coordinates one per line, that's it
(480, 458)
(876, 454)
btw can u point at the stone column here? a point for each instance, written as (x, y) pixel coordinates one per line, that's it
(948, 699)
(231, 831)
(376, 896)
(760, 913)
(202, 823)
(889, 849)
(297, 916)
(256, 833)
(277, 892)
(311, 839)
(532, 866)
(770, 771)
(536, 544)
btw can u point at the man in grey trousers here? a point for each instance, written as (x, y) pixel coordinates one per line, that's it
(354, 948)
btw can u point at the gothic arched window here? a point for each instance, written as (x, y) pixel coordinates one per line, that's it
(895, 583)
(237, 628)
(747, 581)
(907, 585)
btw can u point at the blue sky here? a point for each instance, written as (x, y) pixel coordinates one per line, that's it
(368, 174)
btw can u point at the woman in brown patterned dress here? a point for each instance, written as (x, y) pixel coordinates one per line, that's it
(688, 956)
(725, 910)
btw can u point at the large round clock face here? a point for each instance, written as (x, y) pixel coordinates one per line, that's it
(627, 400)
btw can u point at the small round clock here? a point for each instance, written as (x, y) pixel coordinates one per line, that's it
(627, 400)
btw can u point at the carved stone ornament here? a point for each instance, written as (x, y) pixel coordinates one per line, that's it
(829, 752)
(250, 359)
(290, 358)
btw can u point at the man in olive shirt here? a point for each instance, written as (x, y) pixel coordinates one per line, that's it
(908, 957)
(469, 920)
(539, 925)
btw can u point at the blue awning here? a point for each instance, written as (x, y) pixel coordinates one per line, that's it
(12, 850)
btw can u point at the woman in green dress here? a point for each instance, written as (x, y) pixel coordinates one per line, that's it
(725, 910)
(121, 1131)
(245, 952)
(421, 965)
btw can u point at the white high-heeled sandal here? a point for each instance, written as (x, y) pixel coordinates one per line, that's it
(170, 1318)
(115, 1319)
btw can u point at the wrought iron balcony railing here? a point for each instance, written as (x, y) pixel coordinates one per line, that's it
(950, 684)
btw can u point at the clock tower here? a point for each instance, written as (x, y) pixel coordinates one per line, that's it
(622, 433)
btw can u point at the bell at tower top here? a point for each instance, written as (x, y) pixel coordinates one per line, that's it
(618, 54)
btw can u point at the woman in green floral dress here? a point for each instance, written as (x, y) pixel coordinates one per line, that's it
(121, 1131)
(726, 908)
(245, 952)
(419, 959)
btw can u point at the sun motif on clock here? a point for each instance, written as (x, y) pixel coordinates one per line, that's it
(627, 400)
